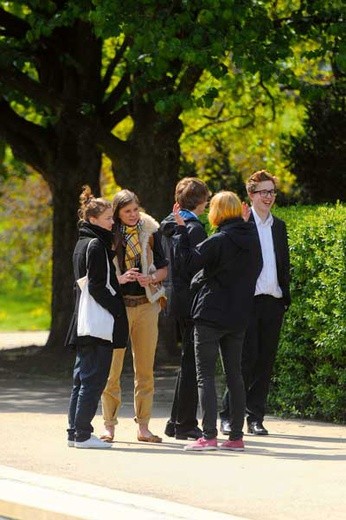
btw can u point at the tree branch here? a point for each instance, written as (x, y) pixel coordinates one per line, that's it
(11, 25)
(113, 64)
(13, 78)
(216, 121)
(109, 143)
(30, 143)
(308, 21)
(189, 80)
(113, 119)
(271, 97)
(116, 93)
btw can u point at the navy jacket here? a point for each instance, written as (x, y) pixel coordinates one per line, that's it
(232, 262)
(179, 277)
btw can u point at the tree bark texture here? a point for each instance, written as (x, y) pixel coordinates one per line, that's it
(149, 164)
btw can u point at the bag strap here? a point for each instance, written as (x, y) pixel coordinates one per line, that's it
(87, 253)
(108, 277)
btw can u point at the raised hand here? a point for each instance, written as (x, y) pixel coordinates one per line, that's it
(178, 218)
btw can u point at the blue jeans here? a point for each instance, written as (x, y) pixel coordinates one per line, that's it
(208, 342)
(90, 375)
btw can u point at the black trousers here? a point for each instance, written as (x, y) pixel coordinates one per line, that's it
(259, 352)
(209, 341)
(185, 401)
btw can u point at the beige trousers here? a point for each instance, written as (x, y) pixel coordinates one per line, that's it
(143, 325)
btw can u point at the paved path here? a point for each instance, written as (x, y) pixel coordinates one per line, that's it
(296, 473)
(10, 340)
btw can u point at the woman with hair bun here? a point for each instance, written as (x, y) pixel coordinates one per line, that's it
(93, 355)
(231, 262)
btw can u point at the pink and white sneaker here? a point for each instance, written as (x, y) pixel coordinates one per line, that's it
(202, 444)
(237, 445)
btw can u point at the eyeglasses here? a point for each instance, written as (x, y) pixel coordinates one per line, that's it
(265, 193)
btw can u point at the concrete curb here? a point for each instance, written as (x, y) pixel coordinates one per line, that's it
(25, 495)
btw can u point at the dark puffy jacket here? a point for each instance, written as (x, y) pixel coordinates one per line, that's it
(178, 280)
(97, 273)
(232, 262)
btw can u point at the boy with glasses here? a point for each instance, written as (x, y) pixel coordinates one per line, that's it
(271, 300)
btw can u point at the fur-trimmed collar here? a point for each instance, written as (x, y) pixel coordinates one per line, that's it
(150, 225)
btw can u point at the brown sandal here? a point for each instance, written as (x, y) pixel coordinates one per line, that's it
(107, 438)
(151, 438)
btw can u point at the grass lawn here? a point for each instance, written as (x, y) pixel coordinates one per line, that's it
(19, 311)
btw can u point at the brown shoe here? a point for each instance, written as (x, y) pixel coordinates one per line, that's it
(150, 438)
(107, 438)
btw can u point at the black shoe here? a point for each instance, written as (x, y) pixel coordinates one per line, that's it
(170, 429)
(225, 427)
(256, 428)
(195, 433)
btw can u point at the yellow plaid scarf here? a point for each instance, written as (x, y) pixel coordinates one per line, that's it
(133, 248)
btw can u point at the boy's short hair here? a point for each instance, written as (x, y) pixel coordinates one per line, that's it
(223, 206)
(257, 177)
(190, 192)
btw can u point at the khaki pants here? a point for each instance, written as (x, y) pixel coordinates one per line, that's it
(143, 325)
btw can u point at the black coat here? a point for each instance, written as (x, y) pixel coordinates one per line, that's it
(232, 262)
(279, 233)
(97, 274)
(178, 280)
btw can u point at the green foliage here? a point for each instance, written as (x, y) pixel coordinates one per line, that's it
(25, 230)
(20, 310)
(317, 155)
(310, 374)
(240, 132)
(25, 253)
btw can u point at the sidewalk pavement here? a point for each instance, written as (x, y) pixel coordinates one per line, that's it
(296, 473)
(11, 340)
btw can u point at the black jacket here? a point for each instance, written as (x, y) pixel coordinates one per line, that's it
(97, 273)
(178, 280)
(232, 262)
(279, 233)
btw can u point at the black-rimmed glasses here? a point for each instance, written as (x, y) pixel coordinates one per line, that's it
(266, 193)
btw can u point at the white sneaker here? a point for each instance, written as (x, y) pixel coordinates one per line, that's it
(70, 444)
(94, 443)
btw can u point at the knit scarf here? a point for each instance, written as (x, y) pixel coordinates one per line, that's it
(133, 248)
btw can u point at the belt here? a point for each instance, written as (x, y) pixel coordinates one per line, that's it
(134, 301)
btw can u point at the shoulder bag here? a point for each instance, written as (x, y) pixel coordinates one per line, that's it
(93, 319)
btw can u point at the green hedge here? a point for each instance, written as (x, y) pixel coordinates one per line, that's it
(310, 377)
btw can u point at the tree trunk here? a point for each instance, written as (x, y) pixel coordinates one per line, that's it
(150, 165)
(66, 186)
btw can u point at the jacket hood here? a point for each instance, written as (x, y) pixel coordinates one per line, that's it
(241, 232)
(88, 230)
(168, 224)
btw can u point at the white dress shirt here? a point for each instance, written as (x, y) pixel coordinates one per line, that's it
(267, 282)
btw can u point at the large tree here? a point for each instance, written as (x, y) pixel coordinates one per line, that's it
(80, 78)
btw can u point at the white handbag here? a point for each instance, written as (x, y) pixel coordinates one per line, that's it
(93, 319)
